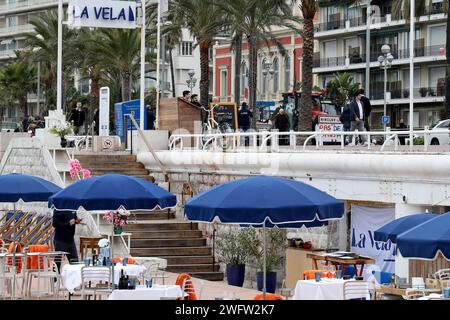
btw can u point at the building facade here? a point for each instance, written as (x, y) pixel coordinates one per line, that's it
(341, 36)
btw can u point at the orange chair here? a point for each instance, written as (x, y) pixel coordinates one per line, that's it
(185, 282)
(311, 274)
(18, 249)
(32, 262)
(118, 260)
(269, 296)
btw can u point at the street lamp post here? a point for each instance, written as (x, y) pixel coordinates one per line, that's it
(385, 61)
(267, 70)
(191, 82)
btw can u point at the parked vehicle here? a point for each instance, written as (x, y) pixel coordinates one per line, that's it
(441, 133)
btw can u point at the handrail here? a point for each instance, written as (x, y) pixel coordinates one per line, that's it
(264, 136)
(149, 147)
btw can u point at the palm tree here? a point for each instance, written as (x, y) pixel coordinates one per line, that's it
(17, 79)
(120, 49)
(309, 9)
(44, 41)
(400, 7)
(204, 21)
(255, 20)
(342, 88)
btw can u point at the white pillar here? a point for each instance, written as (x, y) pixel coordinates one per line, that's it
(59, 57)
(158, 61)
(403, 210)
(142, 98)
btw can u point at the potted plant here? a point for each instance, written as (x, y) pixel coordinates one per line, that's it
(119, 218)
(62, 130)
(232, 249)
(275, 245)
(423, 92)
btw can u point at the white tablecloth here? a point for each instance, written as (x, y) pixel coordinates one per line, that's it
(327, 289)
(143, 293)
(71, 274)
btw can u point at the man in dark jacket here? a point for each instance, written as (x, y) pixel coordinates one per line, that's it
(357, 110)
(346, 119)
(281, 123)
(78, 118)
(244, 118)
(151, 117)
(367, 109)
(64, 223)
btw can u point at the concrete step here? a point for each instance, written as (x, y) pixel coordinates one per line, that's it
(171, 251)
(174, 260)
(125, 171)
(167, 234)
(166, 243)
(211, 276)
(160, 215)
(113, 165)
(160, 226)
(189, 268)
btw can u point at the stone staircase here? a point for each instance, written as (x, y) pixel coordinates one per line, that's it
(157, 233)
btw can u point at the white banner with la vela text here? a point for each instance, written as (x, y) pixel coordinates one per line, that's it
(365, 221)
(102, 14)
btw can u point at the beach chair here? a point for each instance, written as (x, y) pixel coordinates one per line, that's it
(414, 294)
(40, 221)
(12, 216)
(187, 286)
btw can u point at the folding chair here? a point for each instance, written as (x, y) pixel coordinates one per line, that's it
(356, 290)
(95, 280)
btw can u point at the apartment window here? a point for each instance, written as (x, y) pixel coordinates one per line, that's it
(329, 49)
(276, 75)
(244, 78)
(437, 35)
(185, 48)
(287, 74)
(435, 76)
(351, 48)
(416, 78)
(12, 21)
(223, 83)
(263, 78)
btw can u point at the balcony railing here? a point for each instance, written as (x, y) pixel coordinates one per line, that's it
(421, 92)
(356, 57)
(329, 62)
(435, 8)
(28, 3)
(24, 28)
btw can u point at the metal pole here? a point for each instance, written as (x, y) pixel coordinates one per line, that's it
(385, 90)
(264, 262)
(38, 87)
(142, 98)
(158, 58)
(59, 67)
(368, 13)
(411, 76)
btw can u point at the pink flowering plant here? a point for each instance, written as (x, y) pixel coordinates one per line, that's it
(77, 171)
(119, 218)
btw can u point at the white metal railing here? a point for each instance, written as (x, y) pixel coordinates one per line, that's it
(9, 31)
(269, 141)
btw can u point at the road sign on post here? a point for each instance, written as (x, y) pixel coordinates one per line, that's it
(385, 120)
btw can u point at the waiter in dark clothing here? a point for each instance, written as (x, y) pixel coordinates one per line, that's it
(150, 118)
(64, 223)
(244, 117)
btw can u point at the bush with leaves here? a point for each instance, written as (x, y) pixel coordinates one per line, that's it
(275, 245)
(232, 248)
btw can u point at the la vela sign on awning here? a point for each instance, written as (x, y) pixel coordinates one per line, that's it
(102, 14)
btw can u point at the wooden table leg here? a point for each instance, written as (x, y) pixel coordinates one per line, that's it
(315, 264)
(361, 271)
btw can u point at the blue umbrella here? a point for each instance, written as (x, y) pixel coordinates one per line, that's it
(259, 199)
(265, 202)
(112, 192)
(427, 239)
(391, 230)
(14, 187)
